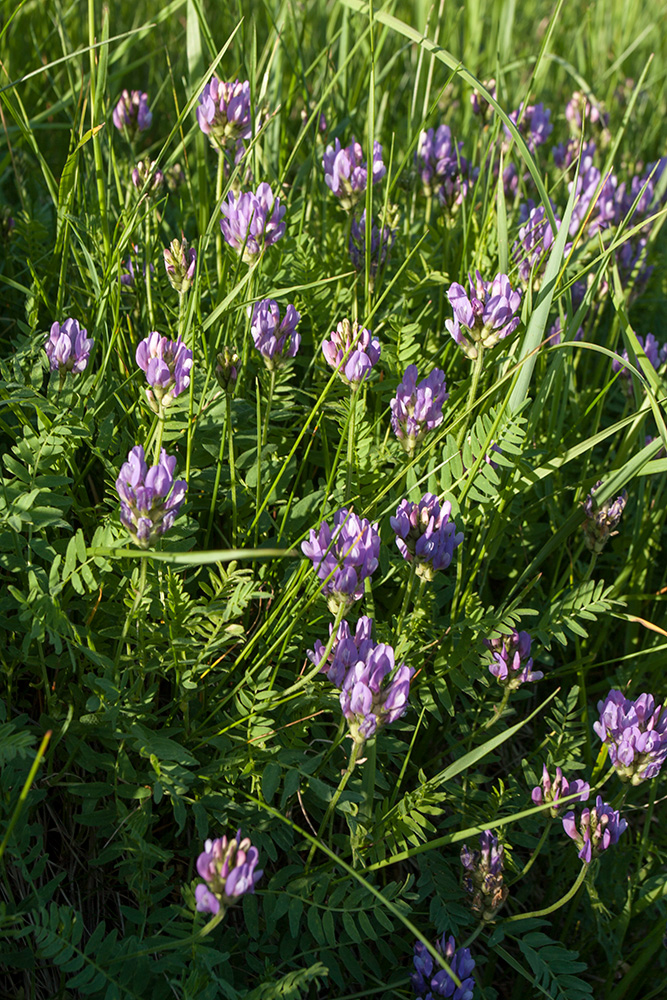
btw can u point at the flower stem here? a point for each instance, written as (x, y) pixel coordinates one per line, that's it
(409, 587)
(533, 858)
(554, 906)
(219, 181)
(499, 709)
(232, 468)
(269, 402)
(158, 437)
(216, 487)
(350, 445)
(356, 752)
(149, 291)
(472, 393)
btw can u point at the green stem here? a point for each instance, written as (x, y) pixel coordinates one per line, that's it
(181, 314)
(350, 445)
(149, 289)
(472, 393)
(232, 468)
(554, 906)
(182, 942)
(409, 587)
(219, 181)
(158, 437)
(533, 858)
(100, 179)
(216, 486)
(269, 402)
(499, 709)
(475, 934)
(18, 808)
(356, 752)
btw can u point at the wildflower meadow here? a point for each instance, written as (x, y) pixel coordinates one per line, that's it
(332, 521)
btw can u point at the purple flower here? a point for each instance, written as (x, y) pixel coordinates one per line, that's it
(599, 828)
(180, 262)
(601, 519)
(228, 869)
(346, 171)
(430, 981)
(226, 370)
(369, 699)
(579, 108)
(417, 407)
(146, 172)
(487, 315)
(480, 105)
(68, 347)
(425, 534)
(347, 555)
(167, 365)
(511, 662)
(483, 876)
(224, 111)
(535, 239)
(353, 350)
(252, 222)
(347, 650)
(442, 169)
(275, 340)
(150, 499)
(132, 113)
(535, 126)
(635, 733)
(381, 241)
(596, 205)
(655, 353)
(548, 792)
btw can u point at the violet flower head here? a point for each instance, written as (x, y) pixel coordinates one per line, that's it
(635, 733)
(150, 498)
(369, 698)
(655, 353)
(252, 222)
(227, 369)
(348, 554)
(229, 870)
(425, 535)
(599, 828)
(483, 876)
(596, 205)
(132, 114)
(353, 350)
(511, 662)
(167, 365)
(480, 105)
(430, 981)
(381, 241)
(551, 792)
(485, 316)
(417, 407)
(68, 347)
(535, 239)
(535, 125)
(442, 168)
(601, 519)
(180, 262)
(224, 111)
(275, 339)
(146, 172)
(346, 171)
(579, 108)
(347, 650)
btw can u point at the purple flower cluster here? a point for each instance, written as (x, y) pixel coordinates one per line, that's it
(579, 108)
(275, 339)
(346, 171)
(228, 868)
(381, 241)
(224, 111)
(369, 698)
(535, 238)
(655, 353)
(512, 663)
(132, 113)
(635, 733)
(483, 876)
(430, 981)
(347, 650)
(601, 519)
(487, 314)
(425, 535)
(68, 347)
(150, 499)
(442, 169)
(252, 222)
(480, 105)
(167, 365)
(599, 828)
(348, 554)
(146, 172)
(417, 407)
(226, 369)
(550, 792)
(535, 125)
(355, 349)
(596, 205)
(180, 263)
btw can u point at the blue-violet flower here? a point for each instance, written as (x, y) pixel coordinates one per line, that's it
(228, 868)
(430, 981)
(150, 499)
(599, 828)
(487, 315)
(347, 650)
(512, 663)
(132, 112)
(224, 111)
(369, 699)
(275, 339)
(167, 364)
(425, 535)
(550, 792)
(68, 347)
(346, 171)
(483, 876)
(180, 262)
(252, 222)
(355, 349)
(601, 519)
(417, 407)
(635, 733)
(348, 554)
